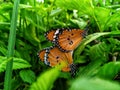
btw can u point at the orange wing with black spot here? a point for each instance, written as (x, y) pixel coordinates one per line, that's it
(50, 35)
(68, 40)
(53, 56)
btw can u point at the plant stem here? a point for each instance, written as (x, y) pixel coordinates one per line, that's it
(11, 44)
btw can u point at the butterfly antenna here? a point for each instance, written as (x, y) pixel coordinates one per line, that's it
(86, 28)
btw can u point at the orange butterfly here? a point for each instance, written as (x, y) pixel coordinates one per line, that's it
(52, 56)
(66, 39)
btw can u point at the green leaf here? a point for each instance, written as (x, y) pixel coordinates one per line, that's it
(112, 20)
(90, 70)
(3, 50)
(80, 22)
(101, 17)
(114, 44)
(30, 35)
(27, 76)
(84, 6)
(46, 80)
(99, 52)
(89, 39)
(18, 63)
(95, 54)
(105, 19)
(93, 84)
(98, 55)
(109, 70)
(3, 62)
(55, 12)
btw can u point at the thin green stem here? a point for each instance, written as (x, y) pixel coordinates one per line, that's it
(97, 22)
(11, 44)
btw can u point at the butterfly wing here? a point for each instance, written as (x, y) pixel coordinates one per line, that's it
(68, 40)
(51, 35)
(56, 56)
(52, 56)
(41, 54)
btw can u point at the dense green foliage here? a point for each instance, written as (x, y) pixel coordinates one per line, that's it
(97, 57)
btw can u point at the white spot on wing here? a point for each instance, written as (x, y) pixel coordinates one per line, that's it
(57, 32)
(46, 57)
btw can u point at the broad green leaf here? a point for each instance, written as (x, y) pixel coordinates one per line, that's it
(93, 84)
(84, 6)
(89, 39)
(99, 52)
(109, 70)
(114, 44)
(3, 62)
(98, 55)
(95, 53)
(27, 76)
(55, 12)
(45, 80)
(101, 17)
(90, 70)
(18, 63)
(113, 20)
(80, 22)
(105, 19)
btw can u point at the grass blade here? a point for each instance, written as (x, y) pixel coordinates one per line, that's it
(11, 44)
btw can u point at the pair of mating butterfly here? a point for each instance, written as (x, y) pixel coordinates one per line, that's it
(65, 40)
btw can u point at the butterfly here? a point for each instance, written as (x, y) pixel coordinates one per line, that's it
(52, 56)
(66, 39)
